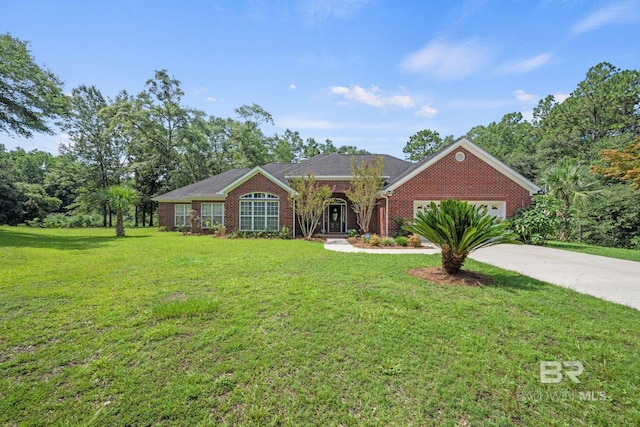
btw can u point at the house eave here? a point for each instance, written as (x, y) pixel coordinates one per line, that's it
(482, 155)
(253, 172)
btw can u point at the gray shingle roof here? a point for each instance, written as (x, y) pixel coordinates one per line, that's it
(325, 165)
(322, 165)
(206, 187)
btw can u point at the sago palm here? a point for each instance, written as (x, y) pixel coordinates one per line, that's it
(458, 228)
(120, 198)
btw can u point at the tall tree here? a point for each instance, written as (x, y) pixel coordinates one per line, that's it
(512, 140)
(574, 186)
(159, 128)
(310, 200)
(288, 147)
(95, 143)
(422, 144)
(250, 143)
(602, 112)
(30, 96)
(120, 198)
(366, 183)
(621, 164)
(11, 198)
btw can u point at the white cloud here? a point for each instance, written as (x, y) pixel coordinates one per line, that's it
(447, 60)
(560, 97)
(524, 97)
(372, 97)
(617, 13)
(426, 111)
(211, 99)
(525, 65)
(293, 86)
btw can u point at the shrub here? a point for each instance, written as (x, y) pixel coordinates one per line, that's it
(219, 229)
(284, 233)
(60, 220)
(374, 240)
(414, 241)
(353, 233)
(402, 240)
(388, 241)
(400, 231)
(539, 222)
(458, 228)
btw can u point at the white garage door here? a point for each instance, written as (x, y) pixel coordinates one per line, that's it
(496, 207)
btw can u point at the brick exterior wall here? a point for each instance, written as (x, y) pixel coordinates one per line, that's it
(257, 184)
(471, 179)
(166, 212)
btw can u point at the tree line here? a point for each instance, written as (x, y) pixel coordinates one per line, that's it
(150, 141)
(580, 149)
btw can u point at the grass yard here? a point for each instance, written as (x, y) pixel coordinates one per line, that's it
(628, 254)
(164, 329)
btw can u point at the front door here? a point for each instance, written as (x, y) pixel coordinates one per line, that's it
(335, 218)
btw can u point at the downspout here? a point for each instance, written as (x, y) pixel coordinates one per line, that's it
(385, 195)
(293, 229)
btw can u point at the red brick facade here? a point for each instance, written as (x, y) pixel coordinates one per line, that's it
(471, 179)
(257, 184)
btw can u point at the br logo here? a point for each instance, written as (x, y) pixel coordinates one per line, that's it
(553, 372)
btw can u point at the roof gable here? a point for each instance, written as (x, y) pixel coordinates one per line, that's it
(475, 150)
(255, 171)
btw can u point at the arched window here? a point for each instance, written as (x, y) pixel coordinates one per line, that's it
(259, 212)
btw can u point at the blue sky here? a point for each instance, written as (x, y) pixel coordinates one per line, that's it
(368, 73)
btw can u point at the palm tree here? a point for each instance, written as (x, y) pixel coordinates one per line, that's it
(458, 228)
(120, 198)
(574, 186)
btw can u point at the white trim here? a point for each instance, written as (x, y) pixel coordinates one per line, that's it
(344, 215)
(329, 177)
(202, 223)
(253, 172)
(172, 200)
(266, 210)
(186, 216)
(482, 155)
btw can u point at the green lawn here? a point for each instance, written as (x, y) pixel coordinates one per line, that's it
(628, 254)
(165, 329)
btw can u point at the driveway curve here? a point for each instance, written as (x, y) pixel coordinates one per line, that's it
(607, 278)
(610, 279)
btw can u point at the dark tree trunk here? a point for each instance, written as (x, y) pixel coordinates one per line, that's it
(110, 218)
(136, 216)
(451, 262)
(144, 215)
(151, 214)
(119, 224)
(104, 215)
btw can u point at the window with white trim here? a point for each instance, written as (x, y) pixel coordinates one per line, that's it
(211, 214)
(182, 215)
(259, 212)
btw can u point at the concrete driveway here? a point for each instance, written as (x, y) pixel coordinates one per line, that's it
(607, 278)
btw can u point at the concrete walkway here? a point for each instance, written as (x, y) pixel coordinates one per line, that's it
(607, 278)
(341, 245)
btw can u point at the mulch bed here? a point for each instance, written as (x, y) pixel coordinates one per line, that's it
(439, 276)
(359, 243)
